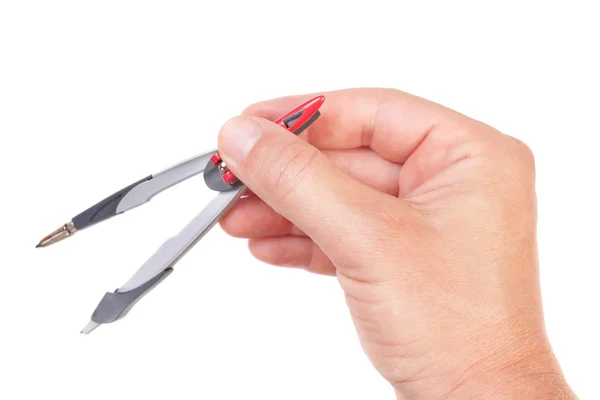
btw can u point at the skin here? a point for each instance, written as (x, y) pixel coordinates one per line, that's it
(427, 218)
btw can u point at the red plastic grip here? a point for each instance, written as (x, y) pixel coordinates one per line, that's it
(309, 109)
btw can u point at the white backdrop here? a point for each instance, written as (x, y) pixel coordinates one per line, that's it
(95, 95)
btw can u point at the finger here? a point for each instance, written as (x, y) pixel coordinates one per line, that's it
(365, 165)
(253, 218)
(289, 251)
(391, 122)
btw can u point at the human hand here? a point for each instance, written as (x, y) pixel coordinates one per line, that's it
(428, 220)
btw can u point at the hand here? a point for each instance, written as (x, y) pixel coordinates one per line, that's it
(428, 220)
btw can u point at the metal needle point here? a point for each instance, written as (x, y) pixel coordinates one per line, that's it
(61, 233)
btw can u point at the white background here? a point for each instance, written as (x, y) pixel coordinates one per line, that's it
(95, 95)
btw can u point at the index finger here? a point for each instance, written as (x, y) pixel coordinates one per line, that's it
(391, 122)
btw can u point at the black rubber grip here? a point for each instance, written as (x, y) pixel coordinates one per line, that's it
(105, 209)
(115, 306)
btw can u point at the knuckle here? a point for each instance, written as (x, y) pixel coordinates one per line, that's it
(523, 155)
(508, 151)
(287, 168)
(509, 170)
(527, 154)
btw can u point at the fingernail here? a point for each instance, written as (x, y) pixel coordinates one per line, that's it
(237, 137)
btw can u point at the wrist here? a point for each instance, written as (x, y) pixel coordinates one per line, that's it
(511, 360)
(534, 375)
(530, 381)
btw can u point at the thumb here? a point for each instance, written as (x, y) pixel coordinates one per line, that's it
(302, 184)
